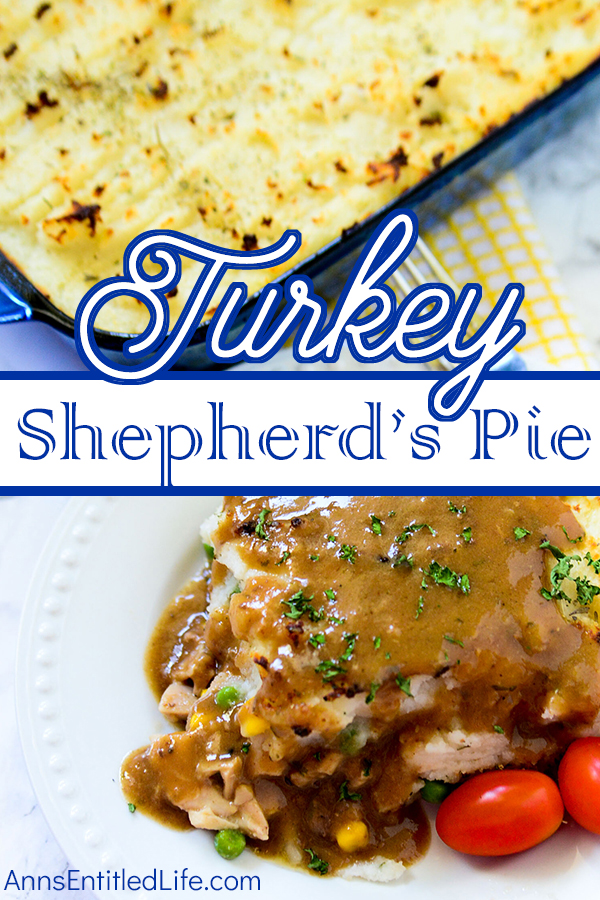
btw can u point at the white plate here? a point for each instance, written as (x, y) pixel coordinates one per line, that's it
(106, 572)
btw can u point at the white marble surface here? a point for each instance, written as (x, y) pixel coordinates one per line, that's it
(26, 843)
(561, 180)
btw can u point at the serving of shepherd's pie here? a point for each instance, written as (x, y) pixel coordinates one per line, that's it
(343, 652)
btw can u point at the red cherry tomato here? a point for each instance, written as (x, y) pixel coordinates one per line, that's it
(579, 782)
(498, 813)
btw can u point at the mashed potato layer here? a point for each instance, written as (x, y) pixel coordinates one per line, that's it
(234, 120)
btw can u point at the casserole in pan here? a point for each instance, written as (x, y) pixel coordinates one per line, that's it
(193, 116)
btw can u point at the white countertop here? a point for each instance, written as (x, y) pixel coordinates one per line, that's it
(561, 181)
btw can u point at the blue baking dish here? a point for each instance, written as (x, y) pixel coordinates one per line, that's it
(502, 147)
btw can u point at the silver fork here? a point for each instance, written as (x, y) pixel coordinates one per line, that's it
(409, 275)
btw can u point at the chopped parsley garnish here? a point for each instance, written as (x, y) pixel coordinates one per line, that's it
(375, 525)
(210, 551)
(131, 807)
(444, 575)
(585, 589)
(332, 538)
(299, 605)
(555, 551)
(330, 594)
(367, 763)
(420, 606)
(317, 640)
(260, 529)
(345, 794)
(412, 529)
(348, 551)
(329, 669)
(314, 557)
(318, 865)
(593, 563)
(560, 572)
(520, 533)
(392, 513)
(351, 641)
(237, 590)
(377, 642)
(424, 584)
(403, 560)
(286, 555)
(576, 540)
(452, 640)
(459, 510)
(467, 534)
(403, 684)
(373, 690)
(498, 729)
(335, 620)
(388, 655)
(245, 748)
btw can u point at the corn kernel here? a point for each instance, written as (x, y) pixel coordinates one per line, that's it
(352, 837)
(251, 725)
(595, 609)
(197, 720)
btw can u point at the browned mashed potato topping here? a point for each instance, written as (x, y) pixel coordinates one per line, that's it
(234, 120)
(341, 651)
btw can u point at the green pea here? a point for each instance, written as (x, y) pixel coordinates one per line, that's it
(229, 843)
(210, 551)
(352, 739)
(228, 696)
(435, 791)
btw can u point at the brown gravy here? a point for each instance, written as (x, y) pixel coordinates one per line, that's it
(178, 628)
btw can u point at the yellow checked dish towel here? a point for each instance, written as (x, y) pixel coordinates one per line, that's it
(480, 229)
(489, 236)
